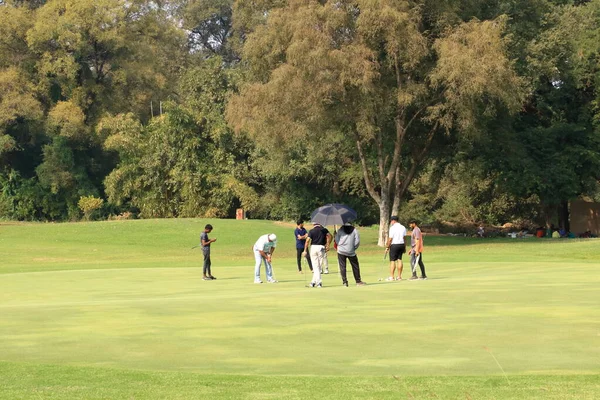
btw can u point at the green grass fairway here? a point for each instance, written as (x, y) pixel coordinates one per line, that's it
(118, 310)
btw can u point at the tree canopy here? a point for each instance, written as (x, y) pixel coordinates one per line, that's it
(477, 111)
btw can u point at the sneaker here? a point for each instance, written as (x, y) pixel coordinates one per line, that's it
(399, 278)
(312, 284)
(300, 272)
(321, 272)
(423, 278)
(206, 278)
(361, 283)
(391, 278)
(345, 284)
(326, 271)
(413, 278)
(272, 281)
(257, 281)
(212, 278)
(320, 285)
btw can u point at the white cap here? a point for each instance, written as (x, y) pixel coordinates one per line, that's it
(271, 237)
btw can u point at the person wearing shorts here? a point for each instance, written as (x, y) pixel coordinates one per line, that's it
(396, 247)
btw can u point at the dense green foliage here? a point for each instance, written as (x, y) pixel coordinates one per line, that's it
(459, 111)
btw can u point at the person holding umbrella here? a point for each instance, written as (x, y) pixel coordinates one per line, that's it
(348, 240)
(319, 237)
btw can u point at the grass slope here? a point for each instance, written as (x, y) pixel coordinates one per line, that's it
(118, 310)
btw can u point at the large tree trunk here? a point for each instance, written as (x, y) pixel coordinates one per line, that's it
(384, 219)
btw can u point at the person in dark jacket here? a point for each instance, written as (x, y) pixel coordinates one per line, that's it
(348, 240)
(301, 235)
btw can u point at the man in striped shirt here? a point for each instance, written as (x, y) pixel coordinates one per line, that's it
(416, 251)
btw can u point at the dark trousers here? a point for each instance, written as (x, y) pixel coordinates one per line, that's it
(355, 267)
(299, 259)
(206, 267)
(413, 260)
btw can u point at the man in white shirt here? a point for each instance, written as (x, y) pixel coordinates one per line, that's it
(396, 247)
(263, 251)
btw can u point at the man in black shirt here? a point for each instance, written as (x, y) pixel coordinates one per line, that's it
(319, 239)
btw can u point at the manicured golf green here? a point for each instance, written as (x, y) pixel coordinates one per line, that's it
(118, 310)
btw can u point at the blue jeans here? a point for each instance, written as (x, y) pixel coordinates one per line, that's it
(268, 267)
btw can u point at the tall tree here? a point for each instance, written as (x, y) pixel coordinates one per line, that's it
(560, 131)
(72, 62)
(186, 162)
(373, 73)
(169, 168)
(209, 23)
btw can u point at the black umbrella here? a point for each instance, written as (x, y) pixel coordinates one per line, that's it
(333, 214)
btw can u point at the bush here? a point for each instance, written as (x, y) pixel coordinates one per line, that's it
(89, 204)
(121, 217)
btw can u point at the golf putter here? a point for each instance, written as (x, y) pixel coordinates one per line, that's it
(304, 267)
(383, 263)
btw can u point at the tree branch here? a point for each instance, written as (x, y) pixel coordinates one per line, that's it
(400, 133)
(368, 181)
(400, 128)
(380, 157)
(402, 185)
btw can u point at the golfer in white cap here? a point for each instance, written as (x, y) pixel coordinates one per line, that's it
(263, 251)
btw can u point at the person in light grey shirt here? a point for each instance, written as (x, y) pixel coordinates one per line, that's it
(347, 240)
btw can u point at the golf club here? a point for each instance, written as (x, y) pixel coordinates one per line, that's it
(383, 264)
(272, 270)
(304, 266)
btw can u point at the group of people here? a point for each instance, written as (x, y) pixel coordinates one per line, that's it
(314, 245)
(396, 247)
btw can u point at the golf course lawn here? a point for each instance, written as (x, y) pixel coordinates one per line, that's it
(118, 310)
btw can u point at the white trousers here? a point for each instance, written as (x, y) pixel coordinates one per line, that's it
(317, 253)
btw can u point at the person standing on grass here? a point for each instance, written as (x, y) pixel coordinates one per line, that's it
(348, 240)
(396, 247)
(263, 252)
(205, 243)
(416, 251)
(301, 234)
(318, 242)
